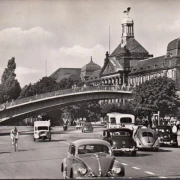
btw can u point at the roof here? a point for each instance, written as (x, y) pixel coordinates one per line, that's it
(91, 66)
(163, 127)
(175, 44)
(65, 71)
(81, 142)
(127, 20)
(119, 114)
(132, 46)
(145, 130)
(95, 75)
(68, 76)
(154, 64)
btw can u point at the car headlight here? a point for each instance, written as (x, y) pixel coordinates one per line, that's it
(116, 170)
(82, 170)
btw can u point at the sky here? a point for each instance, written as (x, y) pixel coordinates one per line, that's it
(66, 33)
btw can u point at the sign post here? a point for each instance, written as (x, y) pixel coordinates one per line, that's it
(156, 117)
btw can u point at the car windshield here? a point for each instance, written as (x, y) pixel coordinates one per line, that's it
(120, 133)
(43, 128)
(93, 148)
(147, 134)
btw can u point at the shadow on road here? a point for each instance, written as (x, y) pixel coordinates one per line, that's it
(4, 152)
(130, 155)
(56, 140)
(164, 150)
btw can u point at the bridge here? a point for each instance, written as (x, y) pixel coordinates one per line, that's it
(27, 107)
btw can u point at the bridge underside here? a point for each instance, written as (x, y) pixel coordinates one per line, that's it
(29, 109)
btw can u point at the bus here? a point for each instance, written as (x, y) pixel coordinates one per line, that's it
(117, 120)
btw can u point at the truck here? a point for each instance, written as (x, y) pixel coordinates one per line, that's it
(42, 130)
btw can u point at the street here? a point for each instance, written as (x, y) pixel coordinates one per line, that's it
(43, 159)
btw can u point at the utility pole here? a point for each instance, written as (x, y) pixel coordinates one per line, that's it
(46, 68)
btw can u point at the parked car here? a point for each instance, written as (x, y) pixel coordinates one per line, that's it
(166, 136)
(89, 158)
(87, 127)
(121, 140)
(146, 138)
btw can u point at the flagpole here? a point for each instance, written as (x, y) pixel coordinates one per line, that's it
(109, 40)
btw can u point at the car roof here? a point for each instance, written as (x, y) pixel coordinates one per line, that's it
(160, 127)
(81, 142)
(146, 130)
(118, 129)
(119, 114)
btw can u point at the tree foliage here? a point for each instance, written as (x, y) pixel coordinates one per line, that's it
(10, 88)
(158, 94)
(116, 107)
(44, 85)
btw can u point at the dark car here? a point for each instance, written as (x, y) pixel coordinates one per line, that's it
(166, 136)
(88, 158)
(87, 127)
(121, 140)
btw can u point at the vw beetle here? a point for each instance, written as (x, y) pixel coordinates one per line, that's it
(91, 158)
(146, 138)
(121, 140)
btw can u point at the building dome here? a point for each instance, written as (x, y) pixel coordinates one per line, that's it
(175, 44)
(91, 67)
(127, 20)
(88, 69)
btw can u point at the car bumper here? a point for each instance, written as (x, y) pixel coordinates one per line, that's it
(167, 142)
(124, 149)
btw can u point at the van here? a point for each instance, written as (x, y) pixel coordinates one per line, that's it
(42, 130)
(118, 120)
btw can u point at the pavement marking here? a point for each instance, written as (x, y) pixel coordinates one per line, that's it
(162, 177)
(136, 168)
(124, 164)
(149, 172)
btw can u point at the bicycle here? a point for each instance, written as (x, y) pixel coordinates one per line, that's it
(15, 143)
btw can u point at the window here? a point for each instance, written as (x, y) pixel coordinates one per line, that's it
(43, 128)
(93, 148)
(147, 134)
(125, 120)
(120, 133)
(72, 150)
(113, 120)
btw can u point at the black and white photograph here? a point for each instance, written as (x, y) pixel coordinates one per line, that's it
(89, 89)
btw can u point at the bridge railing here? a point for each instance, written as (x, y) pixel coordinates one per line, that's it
(63, 92)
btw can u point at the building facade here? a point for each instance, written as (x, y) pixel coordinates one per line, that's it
(167, 65)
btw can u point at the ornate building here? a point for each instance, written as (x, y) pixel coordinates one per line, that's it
(167, 65)
(88, 69)
(128, 53)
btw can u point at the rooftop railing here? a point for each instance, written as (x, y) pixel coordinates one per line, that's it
(63, 92)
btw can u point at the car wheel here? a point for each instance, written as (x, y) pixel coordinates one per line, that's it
(175, 145)
(43, 139)
(156, 149)
(133, 153)
(34, 139)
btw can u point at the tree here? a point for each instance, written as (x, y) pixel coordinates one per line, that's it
(10, 87)
(158, 94)
(116, 107)
(44, 85)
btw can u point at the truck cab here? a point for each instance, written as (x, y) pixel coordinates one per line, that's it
(42, 130)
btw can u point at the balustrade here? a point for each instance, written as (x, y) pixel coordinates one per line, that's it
(63, 92)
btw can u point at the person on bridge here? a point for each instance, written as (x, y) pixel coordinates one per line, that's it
(14, 134)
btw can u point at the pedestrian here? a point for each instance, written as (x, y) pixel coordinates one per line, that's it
(174, 129)
(146, 123)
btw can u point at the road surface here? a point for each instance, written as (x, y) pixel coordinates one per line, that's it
(37, 160)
